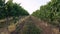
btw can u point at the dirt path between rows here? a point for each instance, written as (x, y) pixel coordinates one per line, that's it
(47, 28)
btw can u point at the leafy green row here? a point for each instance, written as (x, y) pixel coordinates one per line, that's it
(49, 12)
(10, 9)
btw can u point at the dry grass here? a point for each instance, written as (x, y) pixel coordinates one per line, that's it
(11, 28)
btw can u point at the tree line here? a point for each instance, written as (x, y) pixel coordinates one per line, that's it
(9, 9)
(49, 12)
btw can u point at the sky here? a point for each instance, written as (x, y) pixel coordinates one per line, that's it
(31, 5)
